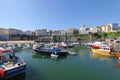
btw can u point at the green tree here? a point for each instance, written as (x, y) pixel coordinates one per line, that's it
(103, 35)
(113, 35)
(75, 33)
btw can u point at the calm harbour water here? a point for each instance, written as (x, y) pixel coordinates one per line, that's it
(81, 66)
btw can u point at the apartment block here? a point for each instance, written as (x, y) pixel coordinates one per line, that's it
(71, 31)
(95, 29)
(41, 32)
(28, 33)
(4, 34)
(14, 31)
(59, 32)
(111, 27)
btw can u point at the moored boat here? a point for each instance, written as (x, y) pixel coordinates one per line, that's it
(103, 50)
(95, 46)
(49, 51)
(54, 55)
(89, 45)
(10, 65)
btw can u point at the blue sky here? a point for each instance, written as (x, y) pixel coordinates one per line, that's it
(57, 14)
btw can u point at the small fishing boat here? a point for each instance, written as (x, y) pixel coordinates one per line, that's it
(106, 51)
(103, 50)
(54, 54)
(10, 65)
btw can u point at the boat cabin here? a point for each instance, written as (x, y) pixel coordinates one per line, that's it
(106, 48)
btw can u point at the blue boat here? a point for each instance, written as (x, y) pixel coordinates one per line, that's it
(11, 65)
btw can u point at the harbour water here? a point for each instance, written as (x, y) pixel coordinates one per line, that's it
(82, 66)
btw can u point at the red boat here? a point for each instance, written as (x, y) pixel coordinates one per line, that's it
(95, 47)
(60, 46)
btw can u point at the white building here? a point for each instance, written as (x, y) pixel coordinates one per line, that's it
(41, 32)
(82, 30)
(62, 32)
(95, 29)
(59, 32)
(28, 32)
(14, 31)
(111, 27)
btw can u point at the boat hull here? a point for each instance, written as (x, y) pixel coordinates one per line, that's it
(48, 53)
(13, 72)
(98, 51)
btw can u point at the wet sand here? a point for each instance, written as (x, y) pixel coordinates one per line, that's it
(16, 42)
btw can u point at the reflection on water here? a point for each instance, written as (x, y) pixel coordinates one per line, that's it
(17, 77)
(101, 57)
(81, 66)
(110, 59)
(39, 56)
(118, 65)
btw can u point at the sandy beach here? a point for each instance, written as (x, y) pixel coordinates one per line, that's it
(16, 42)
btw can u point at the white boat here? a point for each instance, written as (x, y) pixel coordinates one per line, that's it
(54, 54)
(72, 53)
(10, 65)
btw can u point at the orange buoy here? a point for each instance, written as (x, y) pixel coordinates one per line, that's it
(118, 55)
